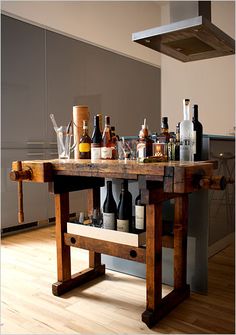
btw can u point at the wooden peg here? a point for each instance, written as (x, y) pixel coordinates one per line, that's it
(20, 195)
(214, 182)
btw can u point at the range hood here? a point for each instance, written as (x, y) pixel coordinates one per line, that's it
(190, 39)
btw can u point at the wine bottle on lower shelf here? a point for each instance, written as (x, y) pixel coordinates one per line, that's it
(124, 212)
(140, 215)
(109, 209)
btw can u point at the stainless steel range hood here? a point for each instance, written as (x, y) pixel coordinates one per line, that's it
(189, 40)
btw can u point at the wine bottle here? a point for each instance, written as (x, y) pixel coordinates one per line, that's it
(124, 213)
(197, 131)
(107, 145)
(140, 213)
(96, 140)
(186, 134)
(85, 143)
(165, 129)
(109, 209)
(144, 145)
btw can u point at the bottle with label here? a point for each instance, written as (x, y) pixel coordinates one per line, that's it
(140, 215)
(85, 143)
(96, 140)
(186, 134)
(197, 131)
(177, 140)
(165, 129)
(109, 209)
(107, 145)
(124, 213)
(144, 145)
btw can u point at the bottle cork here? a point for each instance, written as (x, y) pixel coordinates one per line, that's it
(80, 113)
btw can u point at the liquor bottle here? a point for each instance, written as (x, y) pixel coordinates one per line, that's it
(177, 140)
(197, 131)
(144, 145)
(85, 143)
(140, 213)
(109, 209)
(165, 129)
(107, 145)
(186, 134)
(124, 213)
(114, 140)
(96, 140)
(171, 149)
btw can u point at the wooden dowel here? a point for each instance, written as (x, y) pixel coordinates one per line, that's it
(20, 196)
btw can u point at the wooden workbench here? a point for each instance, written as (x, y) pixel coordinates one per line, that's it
(158, 182)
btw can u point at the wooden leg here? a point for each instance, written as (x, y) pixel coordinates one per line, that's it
(158, 307)
(153, 262)
(66, 282)
(180, 241)
(93, 196)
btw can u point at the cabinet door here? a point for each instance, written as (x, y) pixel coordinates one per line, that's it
(222, 203)
(65, 59)
(35, 196)
(23, 79)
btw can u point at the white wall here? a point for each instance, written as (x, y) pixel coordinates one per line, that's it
(109, 24)
(209, 83)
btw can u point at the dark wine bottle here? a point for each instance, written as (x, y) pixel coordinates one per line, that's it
(96, 140)
(109, 209)
(124, 213)
(177, 140)
(197, 131)
(140, 215)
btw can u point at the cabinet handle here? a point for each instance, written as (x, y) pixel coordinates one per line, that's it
(35, 153)
(35, 143)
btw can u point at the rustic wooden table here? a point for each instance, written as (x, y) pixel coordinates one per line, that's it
(158, 182)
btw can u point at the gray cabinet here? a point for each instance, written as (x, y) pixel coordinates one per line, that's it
(221, 203)
(44, 72)
(23, 83)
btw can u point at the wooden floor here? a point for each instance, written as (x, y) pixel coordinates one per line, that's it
(110, 306)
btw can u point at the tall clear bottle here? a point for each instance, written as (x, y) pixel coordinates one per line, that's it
(197, 131)
(96, 140)
(124, 212)
(109, 209)
(186, 134)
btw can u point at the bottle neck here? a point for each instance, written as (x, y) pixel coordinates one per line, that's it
(186, 110)
(195, 112)
(109, 188)
(96, 122)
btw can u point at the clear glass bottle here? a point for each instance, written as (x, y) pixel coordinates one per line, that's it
(96, 140)
(107, 145)
(197, 131)
(109, 209)
(186, 134)
(85, 143)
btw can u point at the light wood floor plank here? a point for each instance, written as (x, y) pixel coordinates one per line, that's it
(113, 305)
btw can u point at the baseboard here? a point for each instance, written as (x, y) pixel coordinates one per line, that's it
(221, 244)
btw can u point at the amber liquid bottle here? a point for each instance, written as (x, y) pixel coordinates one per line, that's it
(144, 145)
(85, 143)
(165, 129)
(107, 145)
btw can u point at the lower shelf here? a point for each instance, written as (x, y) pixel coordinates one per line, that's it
(135, 240)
